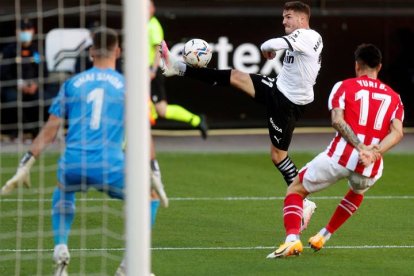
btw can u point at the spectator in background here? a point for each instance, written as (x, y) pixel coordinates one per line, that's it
(21, 69)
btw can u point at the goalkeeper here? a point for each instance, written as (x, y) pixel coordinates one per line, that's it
(93, 104)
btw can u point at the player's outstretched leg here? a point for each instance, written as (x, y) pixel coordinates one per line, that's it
(61, 257)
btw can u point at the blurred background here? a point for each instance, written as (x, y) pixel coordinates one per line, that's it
(236, 29)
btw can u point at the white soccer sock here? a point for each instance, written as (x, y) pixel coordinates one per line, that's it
(291, 238)
(59, 248)
(325, 233)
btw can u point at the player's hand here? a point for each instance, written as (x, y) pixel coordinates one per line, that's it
(365, 157)
(368, 157)
(22, 175)
(157, 185)
(269, 54)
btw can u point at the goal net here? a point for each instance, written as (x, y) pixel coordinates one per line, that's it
(30, 79)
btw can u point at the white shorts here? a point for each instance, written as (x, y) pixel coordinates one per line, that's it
(322, 172)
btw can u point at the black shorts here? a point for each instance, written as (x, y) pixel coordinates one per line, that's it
(158, 88)
(282, 114)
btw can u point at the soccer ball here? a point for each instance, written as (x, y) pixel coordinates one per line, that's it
(197, 53)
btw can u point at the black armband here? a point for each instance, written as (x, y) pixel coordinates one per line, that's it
(26, 157)
(154, 165)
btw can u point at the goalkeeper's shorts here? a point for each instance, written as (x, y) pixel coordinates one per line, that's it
(78, 179)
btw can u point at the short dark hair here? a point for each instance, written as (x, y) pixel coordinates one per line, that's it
(26, 24)
(298, 6)
(105, 40)
(368, 54)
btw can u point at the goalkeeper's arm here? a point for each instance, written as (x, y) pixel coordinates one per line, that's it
(45, 137)
(155, 175)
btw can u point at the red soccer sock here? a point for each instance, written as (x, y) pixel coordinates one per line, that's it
(292, 213)
(344, 211)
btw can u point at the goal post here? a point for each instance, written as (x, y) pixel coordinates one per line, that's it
(137, 168)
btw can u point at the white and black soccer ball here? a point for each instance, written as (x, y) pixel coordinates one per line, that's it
(197, 53)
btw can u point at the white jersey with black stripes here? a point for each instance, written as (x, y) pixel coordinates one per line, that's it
(301, 63)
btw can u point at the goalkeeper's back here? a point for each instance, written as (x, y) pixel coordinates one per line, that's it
(93, 104)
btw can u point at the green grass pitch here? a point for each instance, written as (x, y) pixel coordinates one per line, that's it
(224, 218)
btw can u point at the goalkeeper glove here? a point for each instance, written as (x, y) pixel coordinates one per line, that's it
(157, 185)
(22, 175)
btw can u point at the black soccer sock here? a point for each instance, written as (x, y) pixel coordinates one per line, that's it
(208, 75)
(288, 169)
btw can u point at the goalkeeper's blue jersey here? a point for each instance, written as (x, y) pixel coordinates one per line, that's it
(92, 102)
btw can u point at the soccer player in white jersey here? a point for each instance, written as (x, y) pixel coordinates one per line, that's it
(368, 116)
(92, 102)
(285, 98)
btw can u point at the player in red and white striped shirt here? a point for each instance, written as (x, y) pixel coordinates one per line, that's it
(368, 116)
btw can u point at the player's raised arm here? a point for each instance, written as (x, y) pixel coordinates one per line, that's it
(270, 47)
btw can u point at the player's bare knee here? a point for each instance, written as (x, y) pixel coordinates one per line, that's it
(359, 183)
(297, 188)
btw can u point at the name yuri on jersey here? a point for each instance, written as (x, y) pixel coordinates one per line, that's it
(371, 84)
(112, 79)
